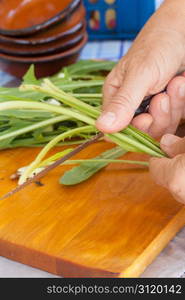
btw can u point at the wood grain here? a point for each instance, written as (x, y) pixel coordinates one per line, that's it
(113, 225)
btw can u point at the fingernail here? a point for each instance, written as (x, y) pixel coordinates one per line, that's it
(165, 106)
(169, 139)
(182, 91)
(107, 118)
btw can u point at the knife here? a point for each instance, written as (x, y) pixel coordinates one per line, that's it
(143, 108)
(53, 165)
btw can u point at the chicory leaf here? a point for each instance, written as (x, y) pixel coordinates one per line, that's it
(86, 170)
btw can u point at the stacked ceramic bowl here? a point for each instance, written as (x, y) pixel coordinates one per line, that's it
(47, 33)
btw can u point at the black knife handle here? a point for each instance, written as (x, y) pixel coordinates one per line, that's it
(143, 108)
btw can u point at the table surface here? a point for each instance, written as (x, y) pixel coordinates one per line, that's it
(171, 261)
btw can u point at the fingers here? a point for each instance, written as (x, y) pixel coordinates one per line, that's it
(111, 86)
(143, 122)
(172, 145)
(161, 114)
(176, 92)
(157, 122)
(119, 109)
(162, 122)
(159, 169)
(170, 173)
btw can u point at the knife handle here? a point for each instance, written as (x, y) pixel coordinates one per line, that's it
(143, 108)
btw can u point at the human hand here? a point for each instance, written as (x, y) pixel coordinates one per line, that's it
(170, 173)
(156, 56)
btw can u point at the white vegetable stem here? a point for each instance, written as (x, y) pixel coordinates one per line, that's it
(28, 172)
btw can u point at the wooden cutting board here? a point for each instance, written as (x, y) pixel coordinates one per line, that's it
(113, 225)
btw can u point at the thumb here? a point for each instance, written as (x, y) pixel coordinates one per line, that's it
(172, 145)
(170, 174)
(160, 169)
(120, 109)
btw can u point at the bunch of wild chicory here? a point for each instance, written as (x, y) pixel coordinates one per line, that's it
(63, 110)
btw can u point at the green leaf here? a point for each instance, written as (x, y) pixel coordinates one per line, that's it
(86, 170)
(27, 114)
(10, 94)
(13, 126)
(78, 85)
(90, 66)
(29, 77)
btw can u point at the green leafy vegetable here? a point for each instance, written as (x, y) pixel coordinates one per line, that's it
(129, 139)
(86, 87)
(61, 110)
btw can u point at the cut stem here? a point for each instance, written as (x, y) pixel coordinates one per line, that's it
(49, 146)
(87, 95)
(48, 107)
(119, 161)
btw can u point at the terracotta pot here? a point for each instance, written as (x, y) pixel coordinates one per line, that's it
(15, 17)
(44, 65)
(72, 24)
(44, 49)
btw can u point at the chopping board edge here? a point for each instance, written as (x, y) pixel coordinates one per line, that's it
(45, 262)
(156, 246)
(65, 268)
